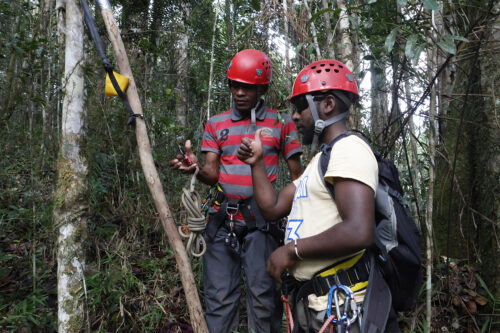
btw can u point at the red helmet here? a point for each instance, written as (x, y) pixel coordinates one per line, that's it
(250, 66)
(325, 75)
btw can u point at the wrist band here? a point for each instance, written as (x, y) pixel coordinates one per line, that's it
(297, 250)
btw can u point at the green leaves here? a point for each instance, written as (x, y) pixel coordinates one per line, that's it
(319, 13)
(431, 5)
(447, 43)
(410, 46)
(391, 39)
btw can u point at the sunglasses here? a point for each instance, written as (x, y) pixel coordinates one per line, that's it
(300, 102)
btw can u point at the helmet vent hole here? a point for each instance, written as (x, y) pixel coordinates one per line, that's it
(332, 64)
(313, 67)
(336, 70)
(341, 66)
(318, 71)
(322, 65)
(327, 70)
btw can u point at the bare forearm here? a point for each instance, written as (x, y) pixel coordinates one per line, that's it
(264, 192)
(333, 243)
(207, 176)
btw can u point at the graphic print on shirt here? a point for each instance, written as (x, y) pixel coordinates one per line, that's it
(224, 135)
(293, 225)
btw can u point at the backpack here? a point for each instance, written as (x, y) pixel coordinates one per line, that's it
(396, 245)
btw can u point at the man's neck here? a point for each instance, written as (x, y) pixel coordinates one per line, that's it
(332, 131)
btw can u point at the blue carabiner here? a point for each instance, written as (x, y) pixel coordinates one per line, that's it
(347, 292)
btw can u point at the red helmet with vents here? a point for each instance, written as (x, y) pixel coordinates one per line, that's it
(250, 66)
(325, 75)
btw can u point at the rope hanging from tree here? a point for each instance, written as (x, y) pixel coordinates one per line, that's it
(191, 200)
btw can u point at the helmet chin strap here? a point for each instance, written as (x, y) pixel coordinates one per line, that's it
(252, 114)
(319, 124)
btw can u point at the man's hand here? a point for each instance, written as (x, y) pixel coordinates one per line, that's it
(281, 259)
(186, 163)
(251, 151)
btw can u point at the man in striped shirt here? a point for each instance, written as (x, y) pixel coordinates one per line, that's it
(238, 238)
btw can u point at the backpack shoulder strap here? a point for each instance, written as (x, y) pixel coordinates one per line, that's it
(325, 158)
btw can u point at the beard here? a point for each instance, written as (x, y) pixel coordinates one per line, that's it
(308, 135)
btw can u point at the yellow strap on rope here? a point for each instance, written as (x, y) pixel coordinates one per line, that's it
(191, 200)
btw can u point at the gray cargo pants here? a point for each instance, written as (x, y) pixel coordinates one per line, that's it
(222, 268)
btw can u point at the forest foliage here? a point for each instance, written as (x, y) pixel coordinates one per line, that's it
(411, 57)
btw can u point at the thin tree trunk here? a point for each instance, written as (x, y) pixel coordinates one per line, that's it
(211, 75)
(181, 104)
(314, 33)
(287, 44)
(328, 31)
(70, 200)
(347, 56)
(415, 164)
(61, 31)
(152, 178)
(379, 98)
(430, 192)
(346, 47)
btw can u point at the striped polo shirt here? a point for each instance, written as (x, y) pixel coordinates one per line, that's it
(223, 135)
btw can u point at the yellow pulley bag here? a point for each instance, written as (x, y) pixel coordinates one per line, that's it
(122, 82)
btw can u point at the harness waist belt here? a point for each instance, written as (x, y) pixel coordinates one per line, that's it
(355, 277)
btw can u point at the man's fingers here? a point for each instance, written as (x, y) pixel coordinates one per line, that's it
(189, 149)
(257, 136)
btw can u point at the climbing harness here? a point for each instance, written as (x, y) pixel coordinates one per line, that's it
(92, 28)
(347, 276)
(342, 321)
(231, 238)
(191, 200)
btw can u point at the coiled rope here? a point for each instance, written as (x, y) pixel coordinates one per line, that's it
(191, 200)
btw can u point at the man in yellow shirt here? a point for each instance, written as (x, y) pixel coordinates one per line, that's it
(323, 236)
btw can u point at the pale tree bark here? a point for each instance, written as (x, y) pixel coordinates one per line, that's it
(346, 48)
(181, 89)
(347, 55)
(287, 43)
(70, 201)
(328, 31)
(446, 78)
(430, 191)
(211, 75)
(314, 33)
(415, 163)
(61, 31)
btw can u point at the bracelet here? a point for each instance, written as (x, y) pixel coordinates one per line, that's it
(296, 249)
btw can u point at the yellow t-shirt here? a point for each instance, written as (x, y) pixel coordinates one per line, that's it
(314, 210)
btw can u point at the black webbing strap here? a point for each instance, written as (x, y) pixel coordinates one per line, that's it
(253, 221)
(360, 272)
(92, 28)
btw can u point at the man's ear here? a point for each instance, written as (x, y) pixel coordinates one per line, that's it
(329, 105)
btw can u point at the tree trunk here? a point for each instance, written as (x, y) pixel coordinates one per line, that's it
(430, 192)
(328, 31)
(152, 177)
(379, 98)
(314, 33)
(70, 204)
(347, 55)
(211, 74)
(181, 104)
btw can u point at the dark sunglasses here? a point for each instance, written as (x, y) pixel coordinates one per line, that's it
(300, 102)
